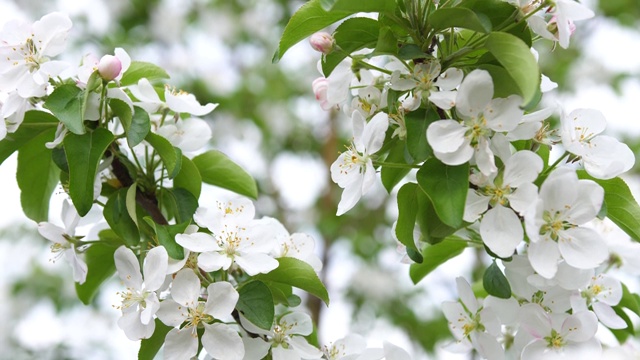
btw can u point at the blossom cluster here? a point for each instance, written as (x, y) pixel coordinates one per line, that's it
(540, 220)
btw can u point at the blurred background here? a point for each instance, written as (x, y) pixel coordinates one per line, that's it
(269, 123)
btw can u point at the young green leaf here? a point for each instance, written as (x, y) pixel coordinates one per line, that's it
(495, 283)
(356, 6)
(458, 17)
(516, 58)
(407, 212)
(391, 176)
(166, 235)
(436, 255)
(297, 273)
(37, 176)
(117, 216)
(150, 347)
(217, 169)
(256, 304)
(34, 123)
(431, 226)
(170, 155)
(66, 102)
(140, 126)
(310, 18)
(101, 266)
(353, 34)
(189, 178)
(447, 187)
(131, 203)
(183, 203)
(140, 69)
(417, 123)
(84, 153)
(622, 208)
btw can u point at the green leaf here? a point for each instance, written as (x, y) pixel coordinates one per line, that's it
(445, 18)
(436, 255)
(150, 347)
(353, 34)
(66, 102)
(495, 283)
(515, 56)
(140, 69)
(283, 294)
(170, 155)
(122, 110)
(310, 18)
(622, 208)
(432, 228)
(131, 203)
(446, 186)
(217, 169)
(503, 83)
(359, 6)
(407, 212)
(34, 123)
(387, 42)
(297, 273)
(37, 176)
(391, 176)
(189, 178)
(185, 204)
(417, 123)
(140, 126)
(167, 237)
(101, 266)
(629, 300)
(117, 216)
(256, 304)
(83, 154)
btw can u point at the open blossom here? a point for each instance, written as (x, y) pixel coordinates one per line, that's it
(559, 335)
(140, 301)
(353, 170)
(561, 25)
(299, 246)
(601, 294)
(188, 135)
(285, 338)
(500, 227)
(176, 100)
(604, 157)
(220, 340)
(236, 238)
(553, 225)
(471, 324)
(456, 142)
(333, 91)
(64, 243)
(428, 82)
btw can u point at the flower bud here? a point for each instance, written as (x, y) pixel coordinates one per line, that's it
(109, 67)
(320, 87)
(322, 42)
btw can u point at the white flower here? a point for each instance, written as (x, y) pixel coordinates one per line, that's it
(428, 82)
(553, 225)
(140, 302)
(500, 227)
(177, 101)
(299, 246)
(220, 340)
(25, 51)
(604, 157)
(64, 242)
(347, 348)
(188, 135)
(286, 338)
(559, 335)
(353, 170)
(236, 238)
(561, 26)
(601, 294)
(333, 91)
(473, 325)
(455, 143)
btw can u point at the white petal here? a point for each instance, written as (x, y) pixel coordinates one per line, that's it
(255, 348)
(446, 136)
(374, 132)
(52, 232)
(522, 167)
(128, 267)
(608, 317)
(302, 347)
(450, 79)
(222, 299)
(524, 198)
(544, 256)
(350, 196)
(501, 231)
(504, 114)
(222, 342)
(187, 103)
(197, 242)
(214, 261)
(185, 289)
(280, 353)
(487, 345)
(125, 60)
(180, 345)
(607, 157)
(393, 352)
(297, 323)
(133, 328)
(155, 268)
(474, 93)
(458, 157)
(358, 123)
(580, 326)
(443, 99)
(256, 263)
(145, 92)
(474, 206)
(484, 157)
(171, 313)
(582, 248)
(535, 320)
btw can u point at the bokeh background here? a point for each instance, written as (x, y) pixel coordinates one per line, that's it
(269, 122)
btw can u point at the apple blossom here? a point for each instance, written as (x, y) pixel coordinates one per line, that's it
(601, 294)
(140, 302)
(428, 82)
(189, 135)
(353, 170)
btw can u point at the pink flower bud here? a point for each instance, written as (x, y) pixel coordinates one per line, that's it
(322, 42)
(109, 67)
(320, 87)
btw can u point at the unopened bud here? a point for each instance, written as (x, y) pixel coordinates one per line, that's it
(322, 42)
(320, 87)
(109, 67)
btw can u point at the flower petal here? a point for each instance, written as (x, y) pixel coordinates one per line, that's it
(474, 93)
(185, 289)
(128, 267)
(197, 242)
(374, 133)
(222, 342)
(582, 248)
(544, 256)
(155, 268)
(446, 136)
(501, 231)
(180, 345)
(222, 299)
